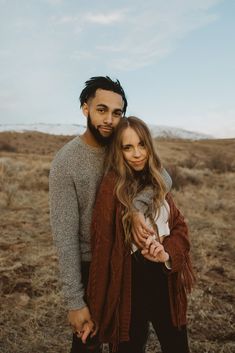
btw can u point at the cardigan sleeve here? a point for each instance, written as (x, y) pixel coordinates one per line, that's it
(177, 244)
(102, 233)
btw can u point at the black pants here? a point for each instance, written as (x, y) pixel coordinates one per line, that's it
(150, 303)
(92, 346)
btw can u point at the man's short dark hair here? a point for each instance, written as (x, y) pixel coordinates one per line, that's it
(102, 82)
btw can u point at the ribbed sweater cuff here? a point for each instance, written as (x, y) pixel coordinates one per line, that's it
(76, 304)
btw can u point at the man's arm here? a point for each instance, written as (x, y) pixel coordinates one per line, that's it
(140, 229)
(64, 213)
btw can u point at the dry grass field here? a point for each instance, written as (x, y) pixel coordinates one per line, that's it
(33, 319)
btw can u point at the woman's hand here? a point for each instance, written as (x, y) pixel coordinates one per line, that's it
(89, 329)
(154, 251)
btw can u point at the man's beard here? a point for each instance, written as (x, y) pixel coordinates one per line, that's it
(102, 140)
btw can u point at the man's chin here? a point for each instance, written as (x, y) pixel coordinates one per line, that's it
(104, 139)
(105, 134)
(102, 136)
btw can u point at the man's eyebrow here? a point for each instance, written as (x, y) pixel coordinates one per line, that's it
(117, 110)
(101, 105)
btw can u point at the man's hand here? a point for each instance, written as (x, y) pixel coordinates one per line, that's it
(140, 230)
(81, 323)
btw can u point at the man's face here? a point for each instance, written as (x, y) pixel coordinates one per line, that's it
(103, 112)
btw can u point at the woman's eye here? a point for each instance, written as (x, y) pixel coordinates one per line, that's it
(126, 148)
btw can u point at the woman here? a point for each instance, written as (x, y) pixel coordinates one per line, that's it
(128, 287)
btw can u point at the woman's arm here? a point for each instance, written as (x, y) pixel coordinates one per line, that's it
(173, 251)
(140, 228)
(177, 244)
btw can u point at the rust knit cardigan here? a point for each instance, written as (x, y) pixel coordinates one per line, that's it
(109, 286)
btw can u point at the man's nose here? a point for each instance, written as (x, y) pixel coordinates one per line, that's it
(108, 119)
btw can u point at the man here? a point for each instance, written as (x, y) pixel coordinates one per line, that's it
(74, 177)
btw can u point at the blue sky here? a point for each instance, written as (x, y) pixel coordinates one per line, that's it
(174, 58)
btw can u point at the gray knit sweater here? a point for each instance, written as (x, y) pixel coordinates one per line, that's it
(74, 179)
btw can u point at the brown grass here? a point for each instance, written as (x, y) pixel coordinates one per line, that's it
(33, 318)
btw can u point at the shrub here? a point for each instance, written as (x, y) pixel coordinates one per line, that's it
(178, 181)
(189, 162)
(220, 163)
(10, 191)
(182, 177)
(4, 146)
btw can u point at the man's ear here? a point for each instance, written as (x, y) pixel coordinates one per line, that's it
(85, 109)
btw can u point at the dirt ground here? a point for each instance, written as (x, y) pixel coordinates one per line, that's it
(33, 318)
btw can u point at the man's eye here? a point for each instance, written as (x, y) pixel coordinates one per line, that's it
(117, 114)
(100, 110)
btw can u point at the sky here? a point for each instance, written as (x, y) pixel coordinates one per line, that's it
(174, 58)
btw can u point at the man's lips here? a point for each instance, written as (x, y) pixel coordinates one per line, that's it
(105, 128)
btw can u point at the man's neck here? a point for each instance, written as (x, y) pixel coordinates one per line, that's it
(89, 139)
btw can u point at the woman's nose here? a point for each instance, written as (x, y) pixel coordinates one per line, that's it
(136, 152)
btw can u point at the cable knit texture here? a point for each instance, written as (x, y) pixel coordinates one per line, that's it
(75, 175)
(109, 287)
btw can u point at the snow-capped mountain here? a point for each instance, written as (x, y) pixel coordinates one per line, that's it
(53, 129)
(75, 129)
(174, 132)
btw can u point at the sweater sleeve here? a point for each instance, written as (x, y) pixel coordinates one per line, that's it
(101, 246)
(177, 244)
(144, 198)
(64, 213)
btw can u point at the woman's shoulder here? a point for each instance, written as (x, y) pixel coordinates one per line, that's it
(170, 200)
(110, 177)
(108, 181)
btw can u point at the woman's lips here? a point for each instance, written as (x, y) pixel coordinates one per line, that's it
(138, 162)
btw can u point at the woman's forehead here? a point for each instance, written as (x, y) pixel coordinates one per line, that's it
(129, 134)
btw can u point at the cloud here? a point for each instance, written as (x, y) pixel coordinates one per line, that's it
(108, 18)
(65, 19)
(105, 18)
(143, 33)
(55, 2)
(153, 33)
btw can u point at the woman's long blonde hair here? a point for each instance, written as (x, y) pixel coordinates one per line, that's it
(129, 182)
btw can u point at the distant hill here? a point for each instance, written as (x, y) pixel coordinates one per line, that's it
(75, 129)
(174, 132)
(53, 129)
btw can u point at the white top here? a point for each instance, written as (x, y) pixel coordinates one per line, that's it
(161, 221)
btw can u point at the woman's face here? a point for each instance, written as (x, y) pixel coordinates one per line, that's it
(134, 150)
